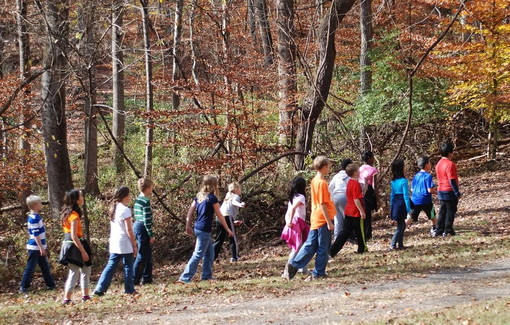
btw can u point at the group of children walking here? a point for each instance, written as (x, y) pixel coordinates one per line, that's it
(344, 207)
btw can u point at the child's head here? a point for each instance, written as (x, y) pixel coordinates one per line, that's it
(209, 186)
(235, 188)
(424, 163)
(352, 170)
(346, 162)
(447, 149)
(145, 186)
(73, 200)
(397, 169)
(322, 164)
(368, 157)
(34, 203)
(121, 195)
(297, 186)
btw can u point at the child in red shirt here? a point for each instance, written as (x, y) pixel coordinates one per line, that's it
(354, 214)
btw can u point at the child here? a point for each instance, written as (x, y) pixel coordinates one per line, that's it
(422, 189)
(296, 229)
(354, 213)
(143, 232)
(400, 206)
(73, 235)
(122, 243)
(319, 237)
(368, 181)
(36, 247)
(337, 188)
(206, 205)
(448, 191)
(229, 209)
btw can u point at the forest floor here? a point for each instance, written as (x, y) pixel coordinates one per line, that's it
(458, 280)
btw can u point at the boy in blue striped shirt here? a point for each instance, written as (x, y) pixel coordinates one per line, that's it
(36, 247)
(143, 232)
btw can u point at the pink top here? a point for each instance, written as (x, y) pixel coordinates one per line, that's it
(299, 201)
(367, 172)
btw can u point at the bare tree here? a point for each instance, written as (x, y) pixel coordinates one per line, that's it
(118, 125)
(265, 31)
(319, 89)
(149, 136)
(53, 93)
(287, 88)
(176, 73)
(365, 60)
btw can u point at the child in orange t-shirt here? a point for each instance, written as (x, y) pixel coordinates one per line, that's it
(319, 237)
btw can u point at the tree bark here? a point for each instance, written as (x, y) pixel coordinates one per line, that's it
(149, 104)
(87, 74)
(365, 61)
(118, 125)
(53, 93)
(252, 22)
(287, 87)
(319, 89)
(176, 73)
(265, 31)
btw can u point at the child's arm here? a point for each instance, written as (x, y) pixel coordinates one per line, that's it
(360, 208)
(324, 208)
(221, 218)
(405, 192)
(432, 190)
(189, 218)
(40, 245)
(147, 221)
(237, 203)
(131, 234)
(293, 212)
(76, 240)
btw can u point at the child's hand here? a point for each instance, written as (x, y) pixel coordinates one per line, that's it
(289, 225)
(135, 250)
(42, 251)
(243, 204)
(238, 222)
(230, 233)
(84, 256)
(152, 240)
(189, 231)
(331, 226)
(363, 215)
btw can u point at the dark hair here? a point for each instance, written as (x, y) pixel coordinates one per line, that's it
(351, 169)
(397, 169)
(422, 161)
(346, 162)
(297, 186)
(70, 204)
(446, 149)
(366, 155)
(120, 194)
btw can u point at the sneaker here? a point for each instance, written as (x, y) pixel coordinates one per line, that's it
(51, 288)
(24, 290)
(433, 231)
(134, 293)
(98, 293)
(291, 271)
(85, 298)
(145, 282)
(181, 281)
(233, 260)
(67, 302)
(392, 248)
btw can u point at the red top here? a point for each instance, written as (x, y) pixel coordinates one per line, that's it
(445, 171)
(353, 192)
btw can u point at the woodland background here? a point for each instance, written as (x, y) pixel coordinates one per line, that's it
(95, 94)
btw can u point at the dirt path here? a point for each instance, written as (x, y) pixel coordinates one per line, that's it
(349, 303)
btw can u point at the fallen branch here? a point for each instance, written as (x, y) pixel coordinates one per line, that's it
(272, 161)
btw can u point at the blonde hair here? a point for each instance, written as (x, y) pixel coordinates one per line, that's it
(31, 200)
(320, 162)
(231, 188)
(209, 186)
(144, 183)
(351, 169)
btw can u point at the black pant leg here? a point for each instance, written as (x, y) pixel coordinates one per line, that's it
(359, 235)
(221, 235)
(343, 236)
(368, 224)
(451, 210)
(441, 218)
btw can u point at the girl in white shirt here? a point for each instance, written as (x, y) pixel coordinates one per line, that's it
(337, 188)
(122, 243)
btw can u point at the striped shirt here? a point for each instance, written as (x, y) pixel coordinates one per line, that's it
(143, 213)
(36, 228)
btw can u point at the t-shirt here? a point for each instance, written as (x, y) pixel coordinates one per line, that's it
(338, 184)
(229, 207)
(143, 213)
(119, 240)
(67, 224)
(300, 210)
(446, 170)
(320, 196)
(420, 185)
(367, 173)
(36, 228)
(353, 192)
(205, 212)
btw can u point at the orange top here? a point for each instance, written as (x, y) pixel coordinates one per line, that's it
(320, 195)
(67, 224)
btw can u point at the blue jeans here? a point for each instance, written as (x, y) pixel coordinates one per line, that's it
(398, 236)
(109, 272)
(318, 241)
(34, 259)
(203, 249)
(143, 262)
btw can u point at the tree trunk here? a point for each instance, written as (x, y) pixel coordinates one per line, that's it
(286, 71)
(365, 61)
(265, 31)
(149, 135)
(318, 94)
(176, 73)
(87, 74)
(252, 22)
(53, 93)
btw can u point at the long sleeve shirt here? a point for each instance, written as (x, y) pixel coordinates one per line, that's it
(401, 186)
(143, 213)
